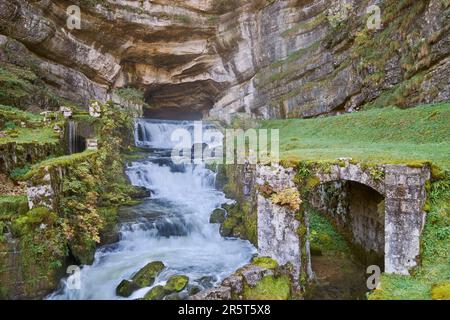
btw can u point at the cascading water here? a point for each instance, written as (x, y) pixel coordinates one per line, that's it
(172, 226)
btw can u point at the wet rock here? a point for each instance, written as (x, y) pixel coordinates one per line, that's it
(220, 293)
(177, 296)
(156, 293)
(176, 283)
(193, 289)
(146, 276)
(207, 281)
(253, 274)
(126, 288)
(140, 193)
(217, 216)
(235, 282)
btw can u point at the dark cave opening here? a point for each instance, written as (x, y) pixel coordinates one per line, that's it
(181, 101)
(171, 113)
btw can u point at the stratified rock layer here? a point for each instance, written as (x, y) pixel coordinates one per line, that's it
(281, 58)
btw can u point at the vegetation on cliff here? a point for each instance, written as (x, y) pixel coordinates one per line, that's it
(92, 187)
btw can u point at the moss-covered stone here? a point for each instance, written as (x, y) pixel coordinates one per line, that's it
(156, 293)
(146, 276)
(217, 216)
(269, 288)
(126, 288)
(13, 205)
(265, 262)
(441, 291)
(176, 283)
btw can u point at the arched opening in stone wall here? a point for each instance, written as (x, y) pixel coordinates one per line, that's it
(347, 225)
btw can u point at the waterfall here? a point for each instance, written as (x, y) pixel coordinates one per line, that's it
(74, 141)
(71, 136)
(172, 226)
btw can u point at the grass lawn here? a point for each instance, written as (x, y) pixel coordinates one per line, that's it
(389, 135)
(382, 136)
(38, 135)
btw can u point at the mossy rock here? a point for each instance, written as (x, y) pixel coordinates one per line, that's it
(269, 288)
(146, 276)
(126, 288)
(176, 283)
(441, 291)
(265, 262)
(217, 216)
(156, 293)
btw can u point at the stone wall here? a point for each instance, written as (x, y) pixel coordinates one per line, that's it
(391, 228)
(279, 226)
(406, 196)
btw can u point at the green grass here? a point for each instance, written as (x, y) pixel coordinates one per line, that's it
(389, 135)
(12, 114)
(28, 135)
(35, 131)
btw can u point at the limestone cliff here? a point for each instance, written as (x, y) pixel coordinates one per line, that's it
(268, 58)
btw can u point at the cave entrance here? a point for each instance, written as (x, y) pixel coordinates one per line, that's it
(172, 113)
(347, 227)
(181, 101)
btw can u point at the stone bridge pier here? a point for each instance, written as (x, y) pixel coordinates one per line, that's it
(402, 187)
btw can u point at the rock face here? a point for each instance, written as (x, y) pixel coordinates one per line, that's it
(268, 58)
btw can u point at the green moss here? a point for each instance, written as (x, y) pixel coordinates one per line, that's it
(265, 262)
(42, 244)
(13, 205)
(441, 291)
(269, 288)
(156, 293)
(240, 222)
(176, 283)
(17, 83)
(146, 276)
(126, 288)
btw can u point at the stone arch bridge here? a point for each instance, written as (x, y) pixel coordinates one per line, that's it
(396, 235)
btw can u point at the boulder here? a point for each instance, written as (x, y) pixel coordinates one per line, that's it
(146, 276)
(140, 193)
(193, 289)
(217, 216)
(207, 281)
(176, 283)
(126, 288)
(156, 293)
